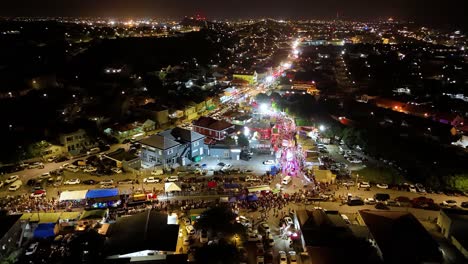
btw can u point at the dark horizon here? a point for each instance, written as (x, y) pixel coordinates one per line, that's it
(442, 14)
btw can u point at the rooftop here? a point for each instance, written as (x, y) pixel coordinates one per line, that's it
(211, 123)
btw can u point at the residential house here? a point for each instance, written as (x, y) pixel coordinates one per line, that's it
(172, 147)
(400, 237)
(156, 112)
(76, 142)
(190, 111)
(212, 128)
(124, 159)
(53, 151)
(453, 224)
(250, 77)
(132, 130)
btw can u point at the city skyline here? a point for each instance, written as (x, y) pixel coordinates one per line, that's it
(442, 14)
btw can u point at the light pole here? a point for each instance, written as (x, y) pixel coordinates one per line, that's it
(357, 177)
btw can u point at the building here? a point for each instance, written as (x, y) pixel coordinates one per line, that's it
(76, 142)
(224, 152)
(399, 237)
(156, 112)
(453, 224)
(250, 77)
(132, 130)
(10, 234)
(148, 235)
(327, 238)
(212, 128)
(172, 147)
(124, 159)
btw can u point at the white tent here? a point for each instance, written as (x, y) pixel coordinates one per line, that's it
(73, 195)
(171, 187)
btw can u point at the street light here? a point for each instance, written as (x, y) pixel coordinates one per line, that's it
(322, 128)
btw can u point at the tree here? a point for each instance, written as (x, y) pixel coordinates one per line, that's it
(243, 141)
(220, 220)
(217, 253)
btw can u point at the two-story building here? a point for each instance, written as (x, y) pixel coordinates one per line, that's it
(212, 128)
(156, 112)
(75, 142)
(172, 147)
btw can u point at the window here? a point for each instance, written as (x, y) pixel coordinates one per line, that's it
(152, 159)
(169, 152)
(227, 154)
(160, 152)
(195, 144)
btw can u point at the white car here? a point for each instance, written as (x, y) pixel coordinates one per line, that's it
(226, 167)
(64, 165)
(283, 258)
(172, 179)
(265, 227)
(292, 257)
(45, 175)
(288, 220)
(412, 188)
(364, 185)
(449, 203)
(11, 179)
(157, 172)
(116, 170)
(186, 221)
(90, 169)
(382, 186)
(1, 184)
(369, 201)
(269, 162)
(32, 249)
(15, 186)
(72, 182)
(107, 186)
(151, 180)
(109, 181)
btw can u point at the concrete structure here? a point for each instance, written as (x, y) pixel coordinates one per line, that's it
(171, 147)
(212, 128)
(400, 237)
(76, 142)
(224, 152)
(10, 234)
(453, 224)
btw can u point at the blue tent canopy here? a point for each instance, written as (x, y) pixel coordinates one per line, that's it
(252, 198)
(232, 199)
(45, 230)
(241, 197)
(102, 193)
(231, 185)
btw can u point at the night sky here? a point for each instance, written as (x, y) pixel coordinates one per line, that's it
(425, 11)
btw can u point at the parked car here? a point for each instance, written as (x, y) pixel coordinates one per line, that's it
(36, 165)
(72, 182)
(107, 186)
(45, 175)
(226, 167)
(1, 184)
(364, 185)
(172, 179)
(108, 181)
(126, 181)
(11, 179)
(288, 221)
(32, 249)
(381, 206)
(412, 188)
(157, 172)
(269, 162)
(381, 197)
(38, 194)
(369, 200)
(15, 186)
(420, 188)
(253, 237)
(151, 180)
(449, 203)
(90, 169)
(382, 186)
(464, 204)
(90, 182)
